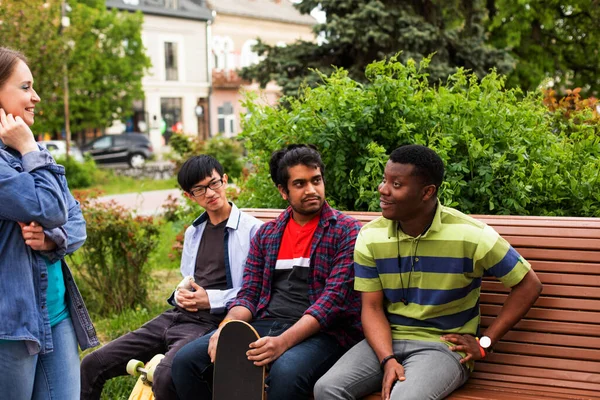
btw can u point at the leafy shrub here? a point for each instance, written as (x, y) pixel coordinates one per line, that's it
(112, 265)
(79, 175)
(504, 153)
(228, 151)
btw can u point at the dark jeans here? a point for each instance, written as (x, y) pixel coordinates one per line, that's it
(165, 334)
(292, 376)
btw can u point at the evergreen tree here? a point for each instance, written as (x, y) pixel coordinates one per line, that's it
(526, 40)
(358, 32)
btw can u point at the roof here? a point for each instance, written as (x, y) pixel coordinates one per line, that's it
(188, 9)
(275, 10)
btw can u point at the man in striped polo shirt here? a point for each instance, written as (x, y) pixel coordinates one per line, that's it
(419, 268)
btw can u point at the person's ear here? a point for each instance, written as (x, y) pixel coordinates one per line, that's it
(188, 195)
(225, 178)
(282, 192)
(429, 192)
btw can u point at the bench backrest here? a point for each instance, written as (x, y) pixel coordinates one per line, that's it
(556, 348)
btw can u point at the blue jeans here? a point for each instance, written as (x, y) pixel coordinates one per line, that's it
(292, 376)
(432, 372)
(49, 376)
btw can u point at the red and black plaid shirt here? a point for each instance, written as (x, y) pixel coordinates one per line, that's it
(334, 303)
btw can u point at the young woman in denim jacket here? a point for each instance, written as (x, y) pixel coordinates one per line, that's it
(42, 315)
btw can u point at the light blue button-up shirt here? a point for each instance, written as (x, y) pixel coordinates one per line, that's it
(240, 229)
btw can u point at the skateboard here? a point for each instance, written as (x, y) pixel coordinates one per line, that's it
(235, 377)
(143, 387)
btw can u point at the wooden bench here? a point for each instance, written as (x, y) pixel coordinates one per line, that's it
(554, 352)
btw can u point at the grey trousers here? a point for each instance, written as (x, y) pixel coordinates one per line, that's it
(432, 372)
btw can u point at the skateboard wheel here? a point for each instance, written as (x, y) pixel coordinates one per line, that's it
(132, 367)
(152, 367)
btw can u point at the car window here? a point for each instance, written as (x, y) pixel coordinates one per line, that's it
(120, 141)
(51, 147)
(102, 143)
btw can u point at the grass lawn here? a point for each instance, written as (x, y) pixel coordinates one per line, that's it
(115, 184)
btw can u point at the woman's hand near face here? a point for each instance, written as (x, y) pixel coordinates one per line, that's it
(15, 133)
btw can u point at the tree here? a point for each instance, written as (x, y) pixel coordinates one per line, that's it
(103, 51)
(528, 40)
(550, 39)
(358, 32)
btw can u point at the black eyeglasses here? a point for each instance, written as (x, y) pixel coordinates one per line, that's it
(200, 190)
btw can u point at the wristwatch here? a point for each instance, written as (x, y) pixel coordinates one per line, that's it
(486, 344)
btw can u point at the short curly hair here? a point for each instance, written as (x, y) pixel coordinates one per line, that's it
(428, 165)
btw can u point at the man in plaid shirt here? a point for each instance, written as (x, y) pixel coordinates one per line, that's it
(297, 289)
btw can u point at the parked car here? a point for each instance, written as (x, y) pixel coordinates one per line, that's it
(58, 149)
(133, 148)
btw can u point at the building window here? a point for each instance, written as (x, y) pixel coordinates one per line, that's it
(171, 64)
(226, 119)
(249, 56)
(170, 111)
(223, 53)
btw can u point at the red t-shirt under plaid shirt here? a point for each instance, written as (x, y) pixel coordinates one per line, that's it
(289, 298)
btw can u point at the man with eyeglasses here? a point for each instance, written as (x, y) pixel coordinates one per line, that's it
(214, 251)
(297, 290)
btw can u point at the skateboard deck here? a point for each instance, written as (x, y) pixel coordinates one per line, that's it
(143, 387)
(235, 377)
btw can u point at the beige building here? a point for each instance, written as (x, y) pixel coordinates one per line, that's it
(175, 34)
(234, 29)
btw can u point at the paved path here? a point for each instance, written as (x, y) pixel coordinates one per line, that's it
(144, 203)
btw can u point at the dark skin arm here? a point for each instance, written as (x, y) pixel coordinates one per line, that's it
(379, 336)
(519, 301)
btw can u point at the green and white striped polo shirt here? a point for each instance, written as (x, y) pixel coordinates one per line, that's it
(447, 263)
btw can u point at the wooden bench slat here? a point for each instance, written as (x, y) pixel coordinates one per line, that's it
(584, 292)
(576, 329)
(556, 374)
(553, 242)
(547, 222)
(547, 302)
(565, 267)
(569, 279)
(546, 232)
(518, 388)
(548, 315)
(563, 352)
(552, 339)
(500, 391)
(594, 387)
(559, 255)
(540, 362)
(472, 392)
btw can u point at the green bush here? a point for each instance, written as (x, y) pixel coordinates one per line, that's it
(112, 266)
(228, 151)
(504, 153)
(79, 175)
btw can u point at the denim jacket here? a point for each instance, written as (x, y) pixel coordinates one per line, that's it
(34, 188)
(239, 231)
